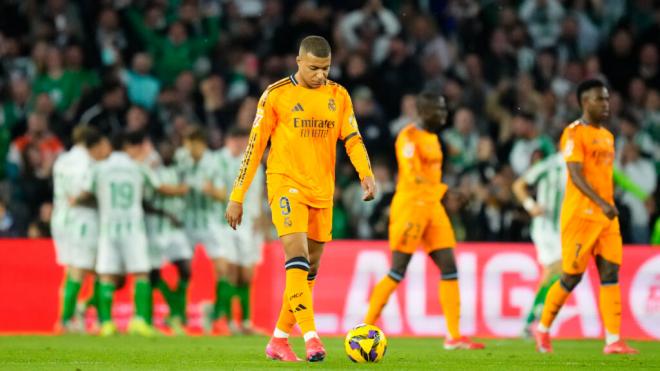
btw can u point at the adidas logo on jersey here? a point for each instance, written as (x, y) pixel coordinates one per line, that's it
(297, 108)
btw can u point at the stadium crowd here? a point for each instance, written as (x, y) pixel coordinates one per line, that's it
(507, 68)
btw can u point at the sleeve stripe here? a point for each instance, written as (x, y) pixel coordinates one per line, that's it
(349, 136)
(246, 161)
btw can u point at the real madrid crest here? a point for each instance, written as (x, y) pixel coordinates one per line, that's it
(331, 105)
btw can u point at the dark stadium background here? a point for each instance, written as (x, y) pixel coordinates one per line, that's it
(66, 63)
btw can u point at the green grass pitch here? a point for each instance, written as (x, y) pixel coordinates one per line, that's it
(71, 352)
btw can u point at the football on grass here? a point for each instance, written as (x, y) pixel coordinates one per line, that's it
(365, 343)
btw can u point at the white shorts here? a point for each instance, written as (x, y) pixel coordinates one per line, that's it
(170, 246)
(548, 246)
(76, 245)
(209, 239)
(243, 246)
(120, 255)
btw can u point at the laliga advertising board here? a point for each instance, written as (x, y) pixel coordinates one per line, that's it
(497, 284)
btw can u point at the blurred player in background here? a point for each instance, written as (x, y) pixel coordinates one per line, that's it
(549, 177)
(243, 246)
(118, 184)
(203, 222)
(418, 217)
(303, 115)
(167, 239)
(75, 228)
(589, 223)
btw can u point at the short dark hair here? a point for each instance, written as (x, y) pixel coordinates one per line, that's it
(237, 132)
(428, 95)
(133, 138)
(79, 134)
(587, 85)
(196, 134)
(93, 137)
(526, 115)
(318, 46)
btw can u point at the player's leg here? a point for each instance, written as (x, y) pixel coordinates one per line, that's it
(286, 319)
(386, 286)
(609, 251)
(72, 285)
(108, 268)
(550, 274)
(135, 253)
(405, 233)
(246, 273)
(184, 269)
(548, 253)
(578, 238)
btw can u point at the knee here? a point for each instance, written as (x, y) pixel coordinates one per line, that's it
(445, 261)
(609, 275)
(569, 281)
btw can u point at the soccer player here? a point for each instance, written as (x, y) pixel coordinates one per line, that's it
(589, 225)
(167, 239)
(243, 246)
(417, 217)
(549, 177)
(118, 185)
(203, 223)
(75, 228)
(303, 115)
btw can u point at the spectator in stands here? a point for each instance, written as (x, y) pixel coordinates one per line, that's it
(461, 141)
(38, 144)
(59, 83)
(642, 172)
(373, 127)
(107, 115)
(111, 40)
(142, 88)
(649, 65)
(368, 29)
(528, 139)
(408, 114)
(8, 225)
(543, 18)
(177, 51)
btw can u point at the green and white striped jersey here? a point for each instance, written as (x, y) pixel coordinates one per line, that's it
(202, 213)
(119, 184)
(549, 176)
(175, 205)
(231, 166)
(70, 171)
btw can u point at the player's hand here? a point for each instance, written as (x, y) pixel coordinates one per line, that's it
(368, 188)
(610, 211)
(537, 210)
(234, 214)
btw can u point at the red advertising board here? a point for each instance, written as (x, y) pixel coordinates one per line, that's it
(497, 284)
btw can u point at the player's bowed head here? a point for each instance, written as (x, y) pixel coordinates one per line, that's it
(432, 110)
(314, 58)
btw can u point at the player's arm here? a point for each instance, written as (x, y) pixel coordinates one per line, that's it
(86, 196)
(520, 185)
(629, 185)
(217, 193)
(264, 122)
(574, 152)
(575, 171)
(356, 150)
(152, 181)
(149, 208)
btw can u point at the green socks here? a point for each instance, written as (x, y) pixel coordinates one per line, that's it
(143, 300)
(105, 294)
(181, 300)
(243, 292)
(71, 290)
(539, 300)
(93, 300)
(224, 292)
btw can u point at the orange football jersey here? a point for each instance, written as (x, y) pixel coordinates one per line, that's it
(419, 156)
(594, 148)
(303, 126)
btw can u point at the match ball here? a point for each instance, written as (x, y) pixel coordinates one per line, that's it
(365, 343)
